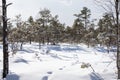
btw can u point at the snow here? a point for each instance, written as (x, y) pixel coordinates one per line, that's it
(60, 62)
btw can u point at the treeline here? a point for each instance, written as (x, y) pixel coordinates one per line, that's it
(48, 29)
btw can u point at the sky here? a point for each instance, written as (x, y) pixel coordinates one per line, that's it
(64, 8)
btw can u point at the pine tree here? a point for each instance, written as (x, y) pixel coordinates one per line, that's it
(78, 30)
(56, 29)
(85, 15)
(43, 21)
(30, 29)
(106, 31)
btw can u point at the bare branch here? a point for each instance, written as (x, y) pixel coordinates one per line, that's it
(9, 4)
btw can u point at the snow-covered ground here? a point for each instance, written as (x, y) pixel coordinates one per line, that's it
(60, 62)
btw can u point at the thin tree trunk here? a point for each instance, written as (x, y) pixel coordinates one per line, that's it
(30, 40)
(118, 41)
(108, 48)
(5, 43)
(21, 46)
(39, 44)
(48, 40)
(43, 40)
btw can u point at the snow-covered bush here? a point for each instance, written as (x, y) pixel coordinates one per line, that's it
(14, 48)
(87, 65)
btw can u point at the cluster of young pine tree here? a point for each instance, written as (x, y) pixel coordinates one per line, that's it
(48, 29)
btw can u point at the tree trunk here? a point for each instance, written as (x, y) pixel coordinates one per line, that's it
(118, 38)
(43, 40)
(118, 73)
(108, 49)
(21, 46)
(39, 44)
(5, 39)
(48, 40)
(30, 40)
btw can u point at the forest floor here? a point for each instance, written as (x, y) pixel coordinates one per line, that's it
(61, 62)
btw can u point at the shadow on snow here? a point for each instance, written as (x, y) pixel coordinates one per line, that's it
(13, 76)
(45, 78)
(20, 60)
(95, 76)
(67, 48)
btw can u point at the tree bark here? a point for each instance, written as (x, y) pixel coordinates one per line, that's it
(118, 38)
(21, 46)
(5, 40)
(30, 40)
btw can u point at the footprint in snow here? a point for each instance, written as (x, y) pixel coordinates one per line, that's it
(62, 68)
(46, 77)
(49, 72)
